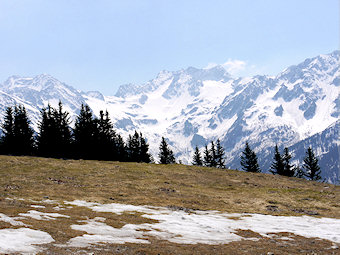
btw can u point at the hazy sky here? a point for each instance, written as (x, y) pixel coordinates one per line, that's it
(101, 44)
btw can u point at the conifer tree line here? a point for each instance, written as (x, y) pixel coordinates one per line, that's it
(91, 137)
(281, 164)
(95, 138)
(214, 157)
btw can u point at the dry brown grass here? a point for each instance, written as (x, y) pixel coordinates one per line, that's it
(180, 186)
(164, 185)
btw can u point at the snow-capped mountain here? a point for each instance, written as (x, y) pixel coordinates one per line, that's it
(326, 147)
(35, 93)
(194, 106)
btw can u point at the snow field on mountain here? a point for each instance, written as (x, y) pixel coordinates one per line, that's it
(215, 91)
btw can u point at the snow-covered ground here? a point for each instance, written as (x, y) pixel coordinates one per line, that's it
(177, 226)
(206, 227)
(22, 240)
(42, 216)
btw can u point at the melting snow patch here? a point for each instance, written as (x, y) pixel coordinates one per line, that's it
(49, 201)
(206, 227)
(99, 232)
(117, 208)
(58, 208)
(22, 240)
(38, 206)
(10, 220)
(42, 216)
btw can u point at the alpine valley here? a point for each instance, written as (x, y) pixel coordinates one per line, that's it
(299, 107)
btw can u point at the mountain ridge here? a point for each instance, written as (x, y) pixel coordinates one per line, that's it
(194, 106)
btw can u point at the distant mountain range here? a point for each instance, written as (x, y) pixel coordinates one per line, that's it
(299, 107)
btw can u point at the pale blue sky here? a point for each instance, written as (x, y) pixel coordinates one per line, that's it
(101, 44)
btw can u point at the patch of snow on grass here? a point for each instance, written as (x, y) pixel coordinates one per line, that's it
(99, 232)
(58, 208)
(42, 216)
(10, 220)
(206, 227)
(307, 226)
(22, 240)
(116, 208)
(49, 201)
(38, 206)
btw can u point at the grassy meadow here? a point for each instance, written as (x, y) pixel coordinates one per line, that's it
(31, 180)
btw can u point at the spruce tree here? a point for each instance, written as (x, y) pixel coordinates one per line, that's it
(288, 168)
(85, 134)
(298, 172)
(145, 156)
(63, 132)
(249, 160)
(120, 149)
(133, 148)
(277, 166)
(138, 149)
(105, 137)
(165, 155)
(7, 140)
(219, 158)
(312, 169)
(47, 137)
(197, 159)
(207, 158)
(213, 155)
(23, 142)
(54, 137)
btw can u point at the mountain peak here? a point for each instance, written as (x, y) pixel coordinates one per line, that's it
(217, 72)
(44, 76)
(193, 106)
(37, 82)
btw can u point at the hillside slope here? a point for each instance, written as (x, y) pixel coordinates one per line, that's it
(164, 185)
(91, 206)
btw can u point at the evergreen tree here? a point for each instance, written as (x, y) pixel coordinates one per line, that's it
(166, 155)
(277, 166)
(249, 160)
(213, 162)
(63, 132)
(120, 149)
(197, 159)
(138, 149)
(47, 137)
(105, 137)
(219, 158)
(312, 169)
(288, 168)
(133, 146)
(207, 158)
(298, 172)
(7, 140)
(85, 134)
(145, 156)
(54, 138)
(23, 142)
